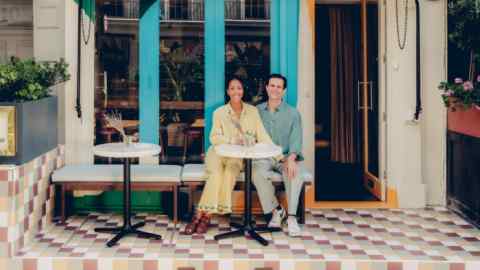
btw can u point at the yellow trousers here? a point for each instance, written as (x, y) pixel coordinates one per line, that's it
(221, 175)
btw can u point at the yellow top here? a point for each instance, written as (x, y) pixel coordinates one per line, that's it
(224, 129)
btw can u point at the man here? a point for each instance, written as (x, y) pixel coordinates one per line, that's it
(283, 124)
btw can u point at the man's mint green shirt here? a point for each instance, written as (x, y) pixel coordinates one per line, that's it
(284, 125)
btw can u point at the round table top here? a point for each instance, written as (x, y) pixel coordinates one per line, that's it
(259, 150)
(122, 150)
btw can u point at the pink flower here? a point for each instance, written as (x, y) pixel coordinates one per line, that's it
(449, 93)
(476, 107)
(478, 78)
(468, 86)
(458, 80)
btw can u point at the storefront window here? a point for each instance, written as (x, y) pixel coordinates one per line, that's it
(247, 46)
(182, 80)
(116, 66)
(181, 70)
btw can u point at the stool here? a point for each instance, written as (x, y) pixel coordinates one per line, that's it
(107, 134)
(190, 133)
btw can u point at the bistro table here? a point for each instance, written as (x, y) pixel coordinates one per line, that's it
(257, 151)
(126, 151)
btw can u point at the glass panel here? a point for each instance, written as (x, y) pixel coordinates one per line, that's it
(116, 65)
(247, 45)
(373, 114)
(182, 80)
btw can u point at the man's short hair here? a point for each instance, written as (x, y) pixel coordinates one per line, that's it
(277, 76)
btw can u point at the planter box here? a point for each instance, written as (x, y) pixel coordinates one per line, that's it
(465, 122)
(35, 129)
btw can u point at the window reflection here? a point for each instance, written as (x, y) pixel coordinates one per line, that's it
(116, 67)
(247, 49)
(182, 81)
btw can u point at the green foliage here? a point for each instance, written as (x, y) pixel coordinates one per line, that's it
(27, 80)
(464, 20)
(464, 30)
(183, 68)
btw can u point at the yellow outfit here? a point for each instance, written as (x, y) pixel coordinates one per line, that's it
(221, 172)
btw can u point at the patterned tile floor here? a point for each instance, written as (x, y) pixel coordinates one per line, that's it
(433, 235)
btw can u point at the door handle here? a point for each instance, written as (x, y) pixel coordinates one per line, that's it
(370, 102)
(370, 84)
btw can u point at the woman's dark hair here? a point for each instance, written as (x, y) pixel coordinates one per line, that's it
(234, 78)
(277, 76)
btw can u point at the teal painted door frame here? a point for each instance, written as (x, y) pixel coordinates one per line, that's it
(214, 62)
(284, 17)
(149, 71)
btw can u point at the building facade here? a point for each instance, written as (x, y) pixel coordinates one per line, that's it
(138, 59)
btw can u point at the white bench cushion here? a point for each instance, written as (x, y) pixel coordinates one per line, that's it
(193, 172)
(196, 172)
(114, 173)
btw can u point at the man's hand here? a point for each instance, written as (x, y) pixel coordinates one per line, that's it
(290, 167)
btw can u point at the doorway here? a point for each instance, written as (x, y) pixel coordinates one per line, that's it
(346, 102)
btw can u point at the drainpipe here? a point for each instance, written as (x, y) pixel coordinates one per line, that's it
(418, 105)
(78, 106)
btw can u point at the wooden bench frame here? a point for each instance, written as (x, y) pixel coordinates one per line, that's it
(68, 186)
(239, 185)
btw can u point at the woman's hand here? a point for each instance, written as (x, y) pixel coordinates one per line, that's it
(238, 141)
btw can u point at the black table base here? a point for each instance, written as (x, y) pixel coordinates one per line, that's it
(248, 227)
(127, 227)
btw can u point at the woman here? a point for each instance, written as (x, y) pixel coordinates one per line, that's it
(233, 123)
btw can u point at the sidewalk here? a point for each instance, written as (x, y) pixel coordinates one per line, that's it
(424, 239)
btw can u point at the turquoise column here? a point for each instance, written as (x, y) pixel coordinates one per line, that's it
(214, 61)
(149, 65)
(284, 43)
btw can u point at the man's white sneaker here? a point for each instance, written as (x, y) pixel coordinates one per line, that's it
(278, 217)
(293, 227)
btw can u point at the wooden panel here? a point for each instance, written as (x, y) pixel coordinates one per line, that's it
(463, 175)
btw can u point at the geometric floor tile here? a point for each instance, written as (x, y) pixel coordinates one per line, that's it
(430, 238)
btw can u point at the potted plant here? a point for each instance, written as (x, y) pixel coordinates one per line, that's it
(26, 88)
(462, 98)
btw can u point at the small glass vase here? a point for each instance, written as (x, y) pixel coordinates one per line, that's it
(128, 140)
(249, 140)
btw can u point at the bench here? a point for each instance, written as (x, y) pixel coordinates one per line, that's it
(193, 177)
(110, 177)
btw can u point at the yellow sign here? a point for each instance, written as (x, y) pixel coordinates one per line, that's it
(7, 131)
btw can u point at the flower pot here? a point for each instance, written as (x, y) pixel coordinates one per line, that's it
(465, 121)
(35, 129)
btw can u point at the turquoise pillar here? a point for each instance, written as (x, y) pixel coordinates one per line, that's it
(149, 65)
(214, 61)
(284, 43)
